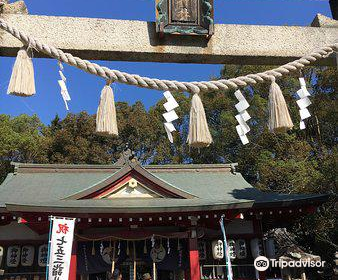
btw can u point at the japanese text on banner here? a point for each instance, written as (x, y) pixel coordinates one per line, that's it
(61, 248)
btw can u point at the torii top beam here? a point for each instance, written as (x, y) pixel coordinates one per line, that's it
(125, 40)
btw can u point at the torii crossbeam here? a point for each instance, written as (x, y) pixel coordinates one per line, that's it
(130, 40)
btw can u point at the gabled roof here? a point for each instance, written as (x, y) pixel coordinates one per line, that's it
(68, 188)
(133, 170)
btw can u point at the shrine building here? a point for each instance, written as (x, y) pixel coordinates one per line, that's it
(160, 219)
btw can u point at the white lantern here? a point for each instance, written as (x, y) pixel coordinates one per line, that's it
(217, 249)
(27, 255)
(270, 248)
(240, 247)
(43, 255)
(256, 247)
(1, 255)
(202, 250)
(13, 256)
(232, 251)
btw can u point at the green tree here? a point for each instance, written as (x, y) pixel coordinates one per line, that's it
(21, 139)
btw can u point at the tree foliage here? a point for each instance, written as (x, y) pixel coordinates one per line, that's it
(292, 162)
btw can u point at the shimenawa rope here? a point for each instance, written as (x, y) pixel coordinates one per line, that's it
(112, 75)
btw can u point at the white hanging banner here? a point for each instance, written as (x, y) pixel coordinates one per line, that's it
(60, 248)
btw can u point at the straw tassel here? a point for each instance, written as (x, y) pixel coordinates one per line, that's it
(199, 135)
(279, 117)
(22, 80)
(106, 122)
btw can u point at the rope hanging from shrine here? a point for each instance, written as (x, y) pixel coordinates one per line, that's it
(157, 250)
(22, 84)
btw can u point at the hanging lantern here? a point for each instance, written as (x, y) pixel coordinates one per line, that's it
(240, 247)
(13, 256)
(43, 255)
(27, 255)
(217, 249)
(232, 250)
(256, 247)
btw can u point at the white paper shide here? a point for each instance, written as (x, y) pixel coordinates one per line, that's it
(170, 115)
(62, 83)
(242, 117)
(303, 102)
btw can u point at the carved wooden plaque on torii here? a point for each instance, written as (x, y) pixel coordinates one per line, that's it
(185, 17)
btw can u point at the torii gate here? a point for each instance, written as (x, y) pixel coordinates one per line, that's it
(230, 44)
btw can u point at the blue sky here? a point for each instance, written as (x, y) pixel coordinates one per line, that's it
(85, 89)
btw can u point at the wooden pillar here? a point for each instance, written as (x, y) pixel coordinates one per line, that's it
(195, 272)
(73, 262)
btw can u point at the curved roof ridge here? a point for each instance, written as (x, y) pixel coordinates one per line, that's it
(65, 166)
